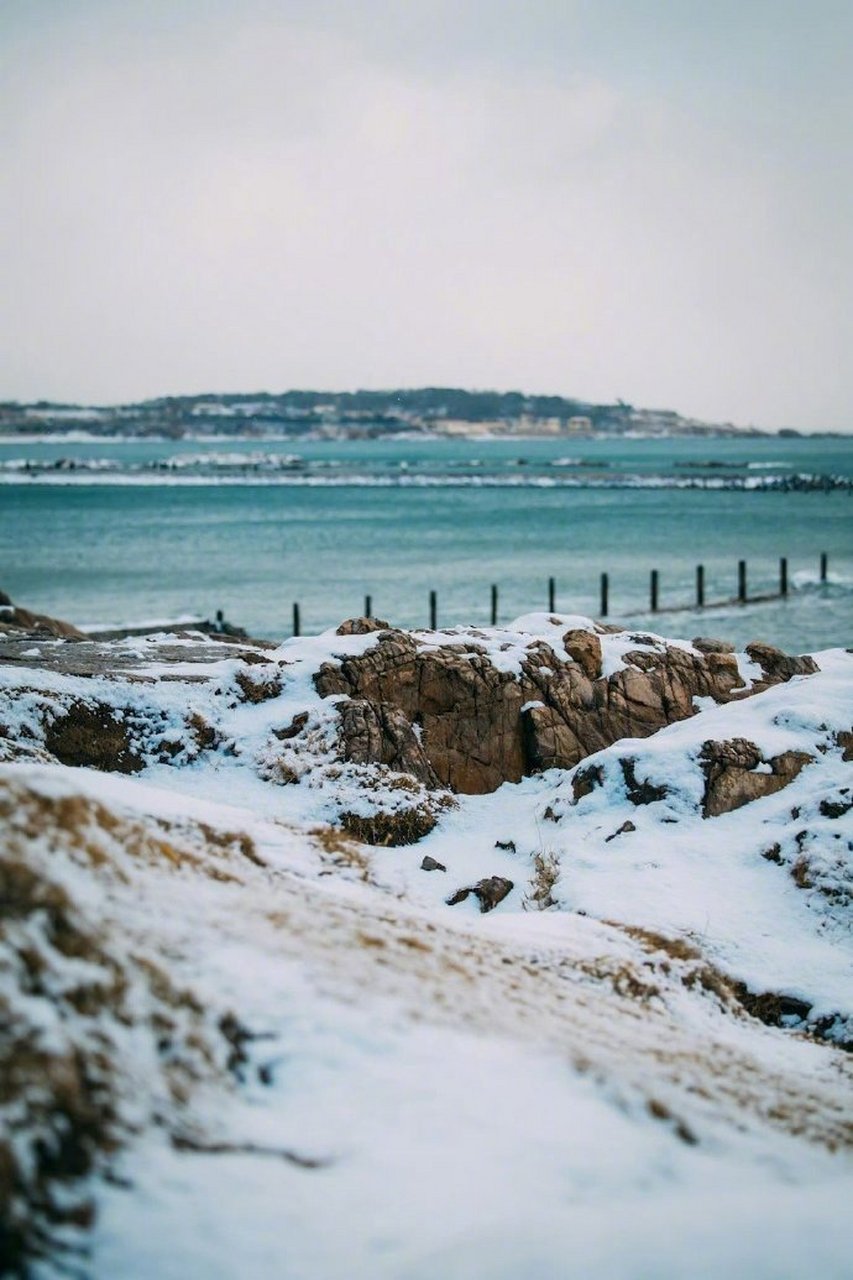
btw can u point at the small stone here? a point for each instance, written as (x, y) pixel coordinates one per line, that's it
(507, 845)
(584, 648)
(431, 864)
(362, 626)
(706, 644)
(621, 831)
(490, 892)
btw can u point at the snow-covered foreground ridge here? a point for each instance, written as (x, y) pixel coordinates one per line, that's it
(505, 953)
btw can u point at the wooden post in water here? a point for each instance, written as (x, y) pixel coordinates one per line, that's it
(433, 611)
(700, 586)
(604, 595)
(552, 592)
(741, 581)
(783, 576)
(823, 563)
(296, 620)
(494, 605)
(368, 607)
(653, 591)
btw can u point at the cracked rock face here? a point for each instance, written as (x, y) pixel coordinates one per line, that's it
(447, 715)
(379, 733)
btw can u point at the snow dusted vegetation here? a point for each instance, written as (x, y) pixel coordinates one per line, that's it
(505, 953)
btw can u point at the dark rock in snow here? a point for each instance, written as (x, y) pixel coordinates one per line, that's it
(621, 831)
(490, 892)
(640, 792)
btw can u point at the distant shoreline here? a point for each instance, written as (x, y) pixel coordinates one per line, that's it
(75, 436)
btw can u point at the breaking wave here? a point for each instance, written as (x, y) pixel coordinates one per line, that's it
(290, 469)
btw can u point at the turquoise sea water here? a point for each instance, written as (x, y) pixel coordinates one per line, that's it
(109, 532)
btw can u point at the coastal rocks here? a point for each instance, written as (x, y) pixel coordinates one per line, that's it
(377, 733)
(479, 724)
(489, 892)
(17, 622)
(736, 773)
(468, 712)
(779, 666)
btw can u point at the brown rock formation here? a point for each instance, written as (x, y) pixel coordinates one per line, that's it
(17, 622)
(730, 777)
(779, 666)
(480, 727)
(584, 648)
(470, 713)
(377, 733)
(362, 626)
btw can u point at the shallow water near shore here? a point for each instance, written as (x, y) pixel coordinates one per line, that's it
(109, 532)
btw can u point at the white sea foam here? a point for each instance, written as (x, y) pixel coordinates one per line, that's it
(290, 470)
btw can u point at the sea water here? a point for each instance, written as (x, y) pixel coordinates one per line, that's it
(116, 532)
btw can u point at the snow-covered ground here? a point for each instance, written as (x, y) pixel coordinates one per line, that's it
(567, 1086)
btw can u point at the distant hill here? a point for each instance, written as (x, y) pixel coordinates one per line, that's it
(359, 414)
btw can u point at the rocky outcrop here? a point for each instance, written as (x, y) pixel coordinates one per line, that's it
(737, 773)
(447, 714)
(779, 666)
(18, 622)
(468, 712)
(377, 733)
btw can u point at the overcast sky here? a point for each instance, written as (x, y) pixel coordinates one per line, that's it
(645, 199)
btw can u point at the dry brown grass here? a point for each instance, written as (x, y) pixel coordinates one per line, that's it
(546, 873)
(340, 851)
(395, 827)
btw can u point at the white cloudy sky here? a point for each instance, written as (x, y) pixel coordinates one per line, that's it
(650, 199)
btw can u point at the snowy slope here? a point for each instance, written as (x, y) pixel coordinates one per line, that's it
(569, 1085)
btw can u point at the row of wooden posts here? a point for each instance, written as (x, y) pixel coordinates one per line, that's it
(604, 597)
